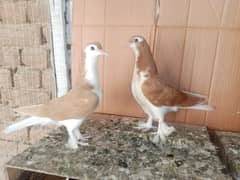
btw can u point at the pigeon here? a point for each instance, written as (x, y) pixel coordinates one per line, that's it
(71, 109)
(155, 96)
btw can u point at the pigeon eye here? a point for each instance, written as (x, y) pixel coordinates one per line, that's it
(92, 48)
(136, 40)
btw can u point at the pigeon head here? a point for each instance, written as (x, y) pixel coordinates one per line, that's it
(94, 49)
(139, 45)
(136, 42)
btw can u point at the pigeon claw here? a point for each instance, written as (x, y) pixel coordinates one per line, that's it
(83, 143)
(168, 130)
(158, 137)
(144, 126)
(84, 138)
(72, 145)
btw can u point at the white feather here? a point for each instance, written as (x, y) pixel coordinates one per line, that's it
(28, 122)
(203, 107)
(196, 95)
(92, 76)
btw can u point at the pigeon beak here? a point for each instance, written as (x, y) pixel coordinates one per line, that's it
(101, 52)
(132, 45)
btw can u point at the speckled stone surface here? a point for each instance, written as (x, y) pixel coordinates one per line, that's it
(118, 151)
(231, 146)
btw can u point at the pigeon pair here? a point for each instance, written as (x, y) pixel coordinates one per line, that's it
(154, 96)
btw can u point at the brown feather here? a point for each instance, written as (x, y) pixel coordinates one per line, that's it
(155, 90)
(77, 103)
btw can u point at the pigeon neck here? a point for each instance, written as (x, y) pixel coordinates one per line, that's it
(91, 73)
(145, 61)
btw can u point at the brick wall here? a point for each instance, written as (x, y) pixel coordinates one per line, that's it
(26, 75)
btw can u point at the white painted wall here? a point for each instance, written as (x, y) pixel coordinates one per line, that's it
(57, 8)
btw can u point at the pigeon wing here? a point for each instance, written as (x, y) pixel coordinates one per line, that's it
(161, 94)
(75, 104)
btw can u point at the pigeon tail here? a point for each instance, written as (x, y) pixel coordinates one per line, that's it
(202, 98)
(32, 121)
(33, 110)
(202, 107)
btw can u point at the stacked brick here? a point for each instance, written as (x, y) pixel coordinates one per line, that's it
(26, 74)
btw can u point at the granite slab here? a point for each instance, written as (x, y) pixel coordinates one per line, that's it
(230, 142)
(118, 151)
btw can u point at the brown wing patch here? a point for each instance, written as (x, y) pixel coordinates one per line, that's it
(160, 94)
(30, 110)
(75, 104)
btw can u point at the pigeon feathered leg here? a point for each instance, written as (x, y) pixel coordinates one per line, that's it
(159, 135)
(71, 126)
(146, 125)
(79, 135)
(163, 129)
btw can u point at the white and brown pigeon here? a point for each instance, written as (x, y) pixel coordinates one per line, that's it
(156, 97)
(71, 109)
